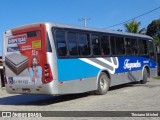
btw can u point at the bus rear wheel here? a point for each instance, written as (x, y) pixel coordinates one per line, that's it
(145, 76)
(103, 84)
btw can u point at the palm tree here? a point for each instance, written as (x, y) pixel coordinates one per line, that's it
(132, 26)
(143, 31)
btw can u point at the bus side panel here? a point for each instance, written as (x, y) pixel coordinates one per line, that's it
(76, 76)
(81, 75)
(126, 77)
(131, 69)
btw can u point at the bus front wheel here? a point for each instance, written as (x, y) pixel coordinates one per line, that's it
(145, 76)
(103, 84)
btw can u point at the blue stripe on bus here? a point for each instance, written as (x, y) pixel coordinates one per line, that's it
(134, 63)
(71, 69)
(74, 68)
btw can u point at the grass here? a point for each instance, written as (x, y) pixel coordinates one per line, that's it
(158, 77)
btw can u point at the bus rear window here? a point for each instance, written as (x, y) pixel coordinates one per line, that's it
(32, 34)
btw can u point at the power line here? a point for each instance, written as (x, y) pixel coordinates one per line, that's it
(133, 18)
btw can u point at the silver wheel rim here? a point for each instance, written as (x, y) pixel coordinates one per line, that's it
(103, 82)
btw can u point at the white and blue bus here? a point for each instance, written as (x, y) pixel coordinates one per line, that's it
(52, 58)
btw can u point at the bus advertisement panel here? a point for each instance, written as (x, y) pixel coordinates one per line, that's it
(25, 58)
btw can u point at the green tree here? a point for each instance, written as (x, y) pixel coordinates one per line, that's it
(132, 27)
(153, 30)
(157, 40)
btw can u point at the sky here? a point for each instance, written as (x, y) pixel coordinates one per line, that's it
(103, 13)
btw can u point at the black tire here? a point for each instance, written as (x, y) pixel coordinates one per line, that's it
(103, 84)
(145, 76)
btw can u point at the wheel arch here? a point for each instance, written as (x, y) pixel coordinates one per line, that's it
(107, 73)
(148, 70)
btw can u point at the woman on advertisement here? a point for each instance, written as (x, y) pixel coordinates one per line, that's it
(35, 71)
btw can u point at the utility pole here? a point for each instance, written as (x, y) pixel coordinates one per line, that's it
(84, 20)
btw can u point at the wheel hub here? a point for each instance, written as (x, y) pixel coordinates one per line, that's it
(103, 83)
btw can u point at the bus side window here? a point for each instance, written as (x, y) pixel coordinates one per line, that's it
(48, 46)
(113, 45)
(128, 46)
(61, 43)
(105, 50)
(120, 45)
(145, 47)
(83, 44)
(96, 45)
(117, 45)
(131, 46)
(142, 47)
(134, 47)
(72, 43)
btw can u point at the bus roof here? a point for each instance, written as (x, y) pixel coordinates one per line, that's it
(100, 30)
(60, 25)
